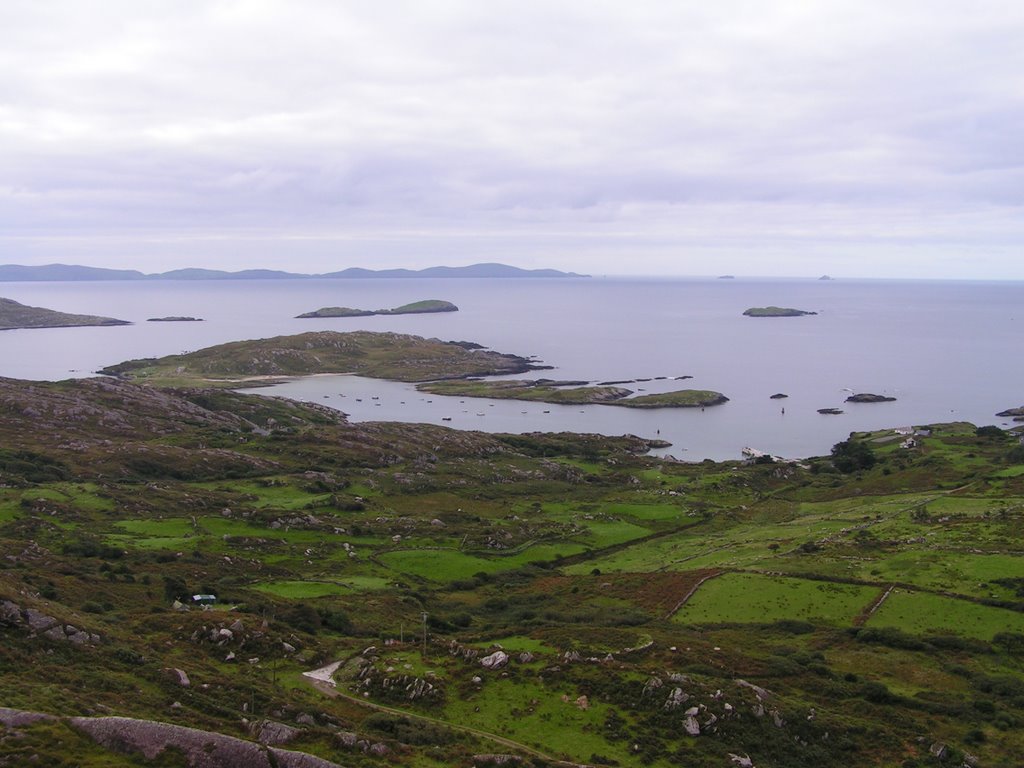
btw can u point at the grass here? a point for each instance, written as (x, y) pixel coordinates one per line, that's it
(920, 612)
(300, 590)
(446, 565)
(750, 598)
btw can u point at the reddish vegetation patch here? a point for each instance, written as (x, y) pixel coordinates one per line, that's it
(655, 592)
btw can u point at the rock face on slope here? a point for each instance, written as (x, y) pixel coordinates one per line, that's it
(201, 749)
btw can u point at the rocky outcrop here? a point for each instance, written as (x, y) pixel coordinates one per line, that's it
(41, 624)
(830, 411)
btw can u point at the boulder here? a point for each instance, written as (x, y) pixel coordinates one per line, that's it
(38, 621)
(10, 613)
(691, 726)
(496, 660)
(676, 699)
(271, 732)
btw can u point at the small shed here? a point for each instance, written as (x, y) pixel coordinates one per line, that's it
(204, 599)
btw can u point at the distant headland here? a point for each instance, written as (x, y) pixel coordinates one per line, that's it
(14, 315)
(70, 272)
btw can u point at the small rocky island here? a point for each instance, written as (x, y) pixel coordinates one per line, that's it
(175, 319)
(1016, 413)
(428, 306)
(776, 312)
(14, 315)
(867, 397)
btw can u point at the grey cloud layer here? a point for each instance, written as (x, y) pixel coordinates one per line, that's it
(788, 133)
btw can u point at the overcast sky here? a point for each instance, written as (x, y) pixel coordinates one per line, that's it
(690, 137)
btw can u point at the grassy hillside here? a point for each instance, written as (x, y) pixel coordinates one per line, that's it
(860, 609)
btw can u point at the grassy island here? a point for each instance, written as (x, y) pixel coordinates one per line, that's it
(541, 390)
(14, 315)
(548, 391)
(776, 312)
(395, 356)
(428, 306)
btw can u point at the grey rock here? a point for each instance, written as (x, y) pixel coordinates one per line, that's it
(346, 738)
(10, 613)
(305, 719)
(743, 761)
(13, 718)
(676, 699)
(181, 677)
(496, 660)
(691, 726)
(55, 633)
(38, 621)
(271, 732)
(79, 638)
(288, 647)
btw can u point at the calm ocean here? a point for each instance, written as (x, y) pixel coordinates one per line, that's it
(946, 350)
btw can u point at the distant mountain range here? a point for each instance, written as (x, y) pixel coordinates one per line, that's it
(11, 273)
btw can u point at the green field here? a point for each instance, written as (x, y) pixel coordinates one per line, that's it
(753, 598)
(921, 613)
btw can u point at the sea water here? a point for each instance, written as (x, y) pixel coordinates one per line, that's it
(946, 350)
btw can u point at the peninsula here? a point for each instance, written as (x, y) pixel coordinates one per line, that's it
(427, 307)
(14, 315)
(776, 312)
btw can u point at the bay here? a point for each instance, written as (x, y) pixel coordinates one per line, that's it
(946, 350)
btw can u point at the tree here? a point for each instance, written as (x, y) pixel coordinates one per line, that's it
(850, 456)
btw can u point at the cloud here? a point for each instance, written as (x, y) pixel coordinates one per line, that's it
(766, 127)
